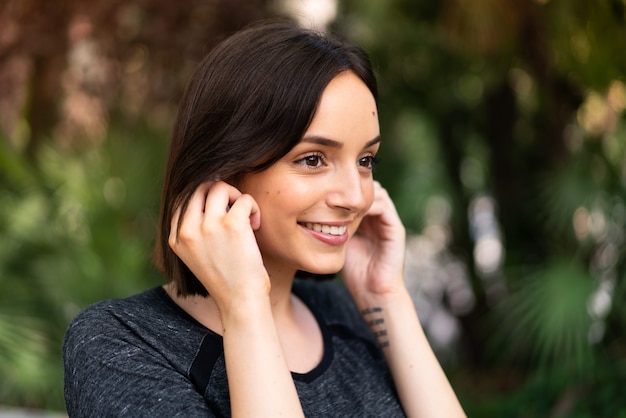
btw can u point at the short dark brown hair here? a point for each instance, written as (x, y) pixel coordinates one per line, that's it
(249, 102)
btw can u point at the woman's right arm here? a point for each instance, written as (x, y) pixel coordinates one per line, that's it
(216, 241)
(259, 380)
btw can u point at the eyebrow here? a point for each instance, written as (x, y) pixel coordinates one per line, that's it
(335, 144)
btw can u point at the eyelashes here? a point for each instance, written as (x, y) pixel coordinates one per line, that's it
(317, 160)
(314, 160)
(369, 161)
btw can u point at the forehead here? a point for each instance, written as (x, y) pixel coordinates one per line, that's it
(347, 109)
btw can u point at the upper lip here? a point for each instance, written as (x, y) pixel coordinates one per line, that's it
(332, 223)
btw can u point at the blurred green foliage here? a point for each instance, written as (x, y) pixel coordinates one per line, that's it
(76, 228)
(522, 102)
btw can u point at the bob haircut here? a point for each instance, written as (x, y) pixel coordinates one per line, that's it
(248, 103)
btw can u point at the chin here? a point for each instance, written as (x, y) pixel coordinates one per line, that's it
(320, 273)
(321, 267)
(318, 277)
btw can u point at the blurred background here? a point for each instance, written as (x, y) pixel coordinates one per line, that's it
(504, 149)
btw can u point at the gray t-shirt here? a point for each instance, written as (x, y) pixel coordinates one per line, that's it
(145, 356)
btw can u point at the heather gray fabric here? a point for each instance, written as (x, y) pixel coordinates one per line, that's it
(145, 357)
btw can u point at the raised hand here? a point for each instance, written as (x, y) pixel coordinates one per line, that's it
(216, 241)
(375, 256)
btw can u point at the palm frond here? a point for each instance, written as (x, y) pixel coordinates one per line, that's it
(549, 314)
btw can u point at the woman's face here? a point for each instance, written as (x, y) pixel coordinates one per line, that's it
(313, 199)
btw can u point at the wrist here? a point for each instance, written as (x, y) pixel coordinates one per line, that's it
(240, 298)
(388, 316)
(388, 294)
(246, 312)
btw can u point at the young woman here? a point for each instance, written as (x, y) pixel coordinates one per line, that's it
(269, 176)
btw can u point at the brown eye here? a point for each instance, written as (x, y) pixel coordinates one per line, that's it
(368, 162)
(312, 160)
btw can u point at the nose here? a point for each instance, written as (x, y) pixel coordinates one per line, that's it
(351, 189)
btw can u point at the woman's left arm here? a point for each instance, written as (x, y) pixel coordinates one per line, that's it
(373, 274)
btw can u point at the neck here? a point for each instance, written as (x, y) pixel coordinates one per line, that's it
(205, 311)
(280, 294)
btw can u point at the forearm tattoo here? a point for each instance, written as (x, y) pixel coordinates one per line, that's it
(374, 319)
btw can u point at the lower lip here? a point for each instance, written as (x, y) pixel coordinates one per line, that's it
(327, 238)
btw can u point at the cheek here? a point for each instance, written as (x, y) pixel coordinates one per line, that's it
(274, 204)
(369, 195)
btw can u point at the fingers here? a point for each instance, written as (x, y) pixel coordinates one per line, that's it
(213, 201)
(218, 198)
(382, 202)
(225, 202)
(246, 207)
(382, 220)
(193, 213)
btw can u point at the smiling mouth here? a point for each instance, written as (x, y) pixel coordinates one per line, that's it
(326, 229)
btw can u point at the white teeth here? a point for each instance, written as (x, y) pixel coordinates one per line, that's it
(327, 229)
